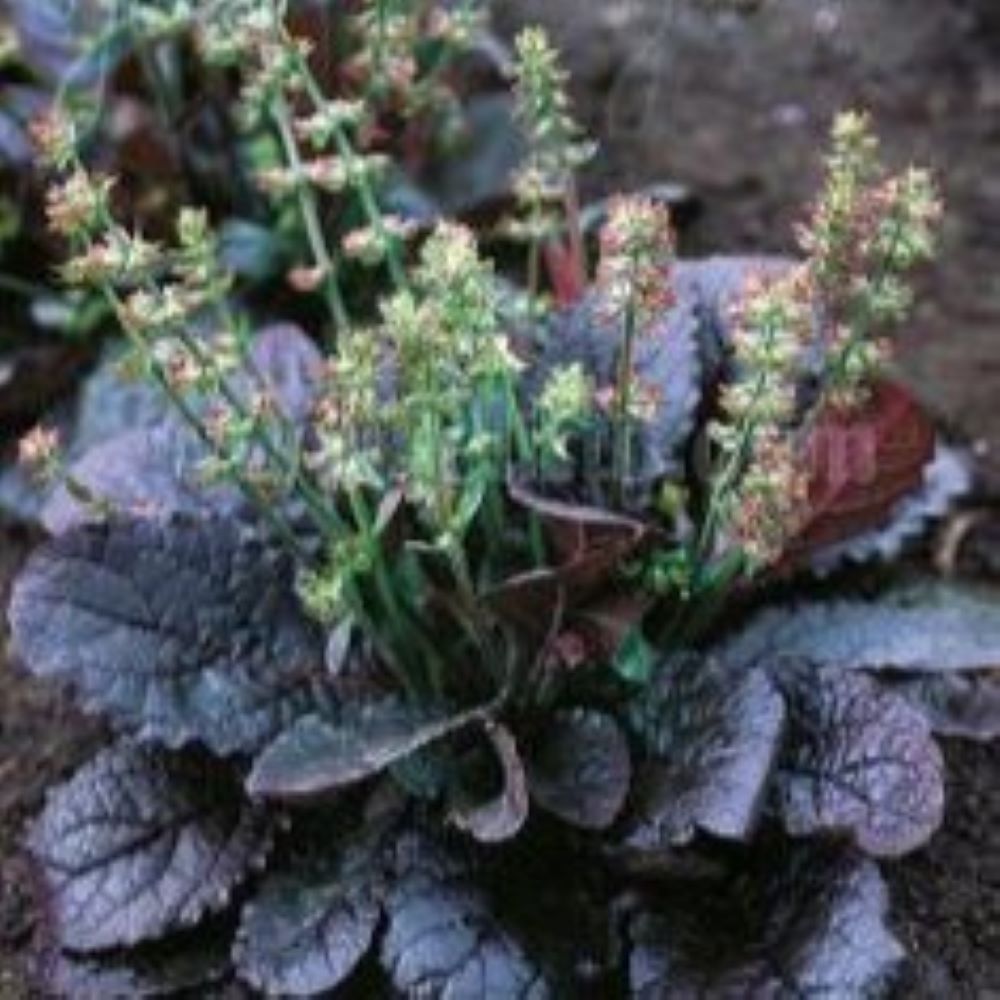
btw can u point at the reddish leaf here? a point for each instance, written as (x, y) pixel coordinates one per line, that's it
(862, 464)
(572, 601)
(588, 542)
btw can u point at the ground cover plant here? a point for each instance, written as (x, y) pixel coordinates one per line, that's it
(494, 594)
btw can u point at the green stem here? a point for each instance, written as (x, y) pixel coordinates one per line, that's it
(309, 208)
(409, 633)
(534, 270)
(622, 449)
(255, 495)
(347, 152)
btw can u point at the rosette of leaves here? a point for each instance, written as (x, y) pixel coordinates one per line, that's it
(277, 811)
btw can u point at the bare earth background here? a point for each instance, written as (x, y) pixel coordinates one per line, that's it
(737, 108)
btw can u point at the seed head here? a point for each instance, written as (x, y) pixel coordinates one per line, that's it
(637, 255)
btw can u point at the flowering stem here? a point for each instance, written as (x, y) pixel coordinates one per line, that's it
(208, 364)
(254, 493)
(622, 447)
(310, 216)
(409, 633)
(727, 479)
(18, 286)
(345, 149)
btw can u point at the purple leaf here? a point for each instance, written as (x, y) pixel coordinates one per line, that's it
(142, 473)
(290, 366)
(964, 704)
(502, 816)
(139, 844)
(815, 926)
(442, 939)
(57, 38)
(304, 932)
(927, 628)
(317, 756)
(713, 734)
(183, 631)
(667, 362)
(710, 286)
(860, 761)
(580, 768)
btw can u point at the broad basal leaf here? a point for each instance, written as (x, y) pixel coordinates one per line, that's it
(304, 931)
(860, 761)
(58, 39)
(289, 366)
(443, 942)
(182, 631)
(580, 768)
(929, 627)
(141, 473)
(135, 454)
(946, 478)
(713, 735)
(861, 465)
(588, 543)
(316, 756)
(489, 149)
(502, 816)
(709, 287)
(810, 925)
(139, 844)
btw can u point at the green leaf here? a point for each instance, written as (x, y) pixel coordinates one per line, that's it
(635, 658)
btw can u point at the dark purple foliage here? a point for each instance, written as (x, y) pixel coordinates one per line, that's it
(179, 631)
(580, 768)
(139, 844)
(712, 735)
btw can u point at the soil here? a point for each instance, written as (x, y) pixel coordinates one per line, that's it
(736, 107)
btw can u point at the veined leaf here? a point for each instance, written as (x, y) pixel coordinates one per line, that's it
(713, 735)
(812, 926)
(444, 942)
(304, 931)
(580, 768)
(927, 628)
(859, 761)
(139, 844)
(182, 631)
(316, 756)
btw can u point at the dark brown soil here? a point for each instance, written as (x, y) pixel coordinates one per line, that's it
(736, 107)
(947, 897)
